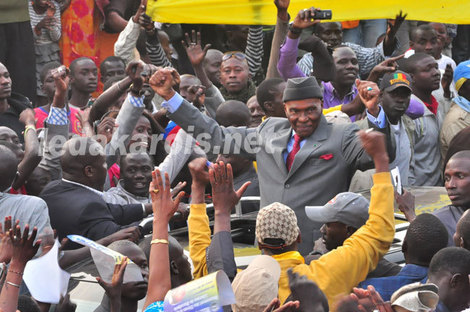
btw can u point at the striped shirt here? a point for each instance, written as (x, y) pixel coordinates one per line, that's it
(46, 36)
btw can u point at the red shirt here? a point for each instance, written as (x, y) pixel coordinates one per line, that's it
(75, 125)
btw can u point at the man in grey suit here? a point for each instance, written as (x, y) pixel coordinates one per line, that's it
(302, 160)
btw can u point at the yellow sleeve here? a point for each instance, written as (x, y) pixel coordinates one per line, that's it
(338, 271)
(332, 109)
(199, 234)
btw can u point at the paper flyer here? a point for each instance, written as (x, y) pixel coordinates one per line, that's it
(105, 259)
(46, 281)
(396, 180)
(209, 294)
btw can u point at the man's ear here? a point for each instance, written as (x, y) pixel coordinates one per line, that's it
(404, 247)
(462, 242)
(458, 280)
(174, 268)
(88, 171)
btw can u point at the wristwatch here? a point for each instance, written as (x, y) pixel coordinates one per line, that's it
(295, 30)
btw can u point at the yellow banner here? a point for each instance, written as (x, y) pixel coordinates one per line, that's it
(263, 12)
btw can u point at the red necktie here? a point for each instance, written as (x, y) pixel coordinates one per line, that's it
(295, 149)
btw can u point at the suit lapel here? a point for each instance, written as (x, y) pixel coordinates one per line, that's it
(312, 143)
(279, 145)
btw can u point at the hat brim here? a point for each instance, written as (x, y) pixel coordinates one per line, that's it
(396, 86)
(320, 214)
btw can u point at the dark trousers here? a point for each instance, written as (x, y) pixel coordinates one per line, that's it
(461, 44)
(17, 54)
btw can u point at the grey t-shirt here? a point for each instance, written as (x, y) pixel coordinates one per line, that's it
(30, 210)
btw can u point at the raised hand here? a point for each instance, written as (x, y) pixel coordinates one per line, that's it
(305, 19)
(106, 128)
(27, 117)
(197, 94)
(134, 71)
(446, 80)
(305, 291)
(163, 206)
(61, 79)
(113, 290)
(163, 80)
(368, 92)
(406, 204)
(140, 11)
(24, 247)
(194, 48)
(373, 143)
(393, 27)
(387, 66)
(224, 196)
(275, 306)
(6, 248)
(282, 6)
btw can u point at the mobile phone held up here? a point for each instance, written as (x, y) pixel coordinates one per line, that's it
(322, 15)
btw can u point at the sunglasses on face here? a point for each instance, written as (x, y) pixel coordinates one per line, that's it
(236, 54)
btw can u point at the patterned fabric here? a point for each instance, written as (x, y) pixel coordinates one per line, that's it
(136, 101)
(157, 306)
(295, 149)
(156, 53)
(367, 58)
(75, 125)
(58, 116)
(254, 49)
(277, 221)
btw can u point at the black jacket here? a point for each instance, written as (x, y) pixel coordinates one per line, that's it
(74, 209)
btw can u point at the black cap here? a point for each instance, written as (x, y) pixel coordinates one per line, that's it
(302, 88)
(391, 81)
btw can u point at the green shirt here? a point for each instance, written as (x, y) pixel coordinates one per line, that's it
(13, 11)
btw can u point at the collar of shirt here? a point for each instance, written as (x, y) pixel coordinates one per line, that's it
(331, 97)
(290, 145)
(414, 270)
(139, 198)
(433, 105)
(85, 186)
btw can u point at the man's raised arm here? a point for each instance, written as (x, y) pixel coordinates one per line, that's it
(211, 137)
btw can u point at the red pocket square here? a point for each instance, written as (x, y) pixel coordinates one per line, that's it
(326, 156)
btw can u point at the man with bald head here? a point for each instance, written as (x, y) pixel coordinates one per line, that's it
(457, 184)
(76, 204)
(211, 65)
(27, 209)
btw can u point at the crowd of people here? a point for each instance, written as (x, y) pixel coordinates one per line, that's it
(120, 129)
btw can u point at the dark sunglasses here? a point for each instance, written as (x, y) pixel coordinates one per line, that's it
(236, 54)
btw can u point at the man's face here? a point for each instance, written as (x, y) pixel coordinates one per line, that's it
(304, 115)
(347, 66)
(137, 174)
(465, 90)
(211, 65)
(136, 290)
(5, 83)
(112, 69)
(330, 33)
(426, 75)
(234, 75)
(334, 234)
(256, 112)
(457, 181)
(395, 103)
(149, 93)
(142, 131)
(441, 32)
(48, 86)
(85, 77)
(426, 41)
(186, 82)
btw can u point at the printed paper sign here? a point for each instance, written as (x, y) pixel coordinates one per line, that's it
(105, 259)
(209, 293)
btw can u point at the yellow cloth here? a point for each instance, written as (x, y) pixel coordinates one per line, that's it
(263, 12)
(199, 234)
(338, 271)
